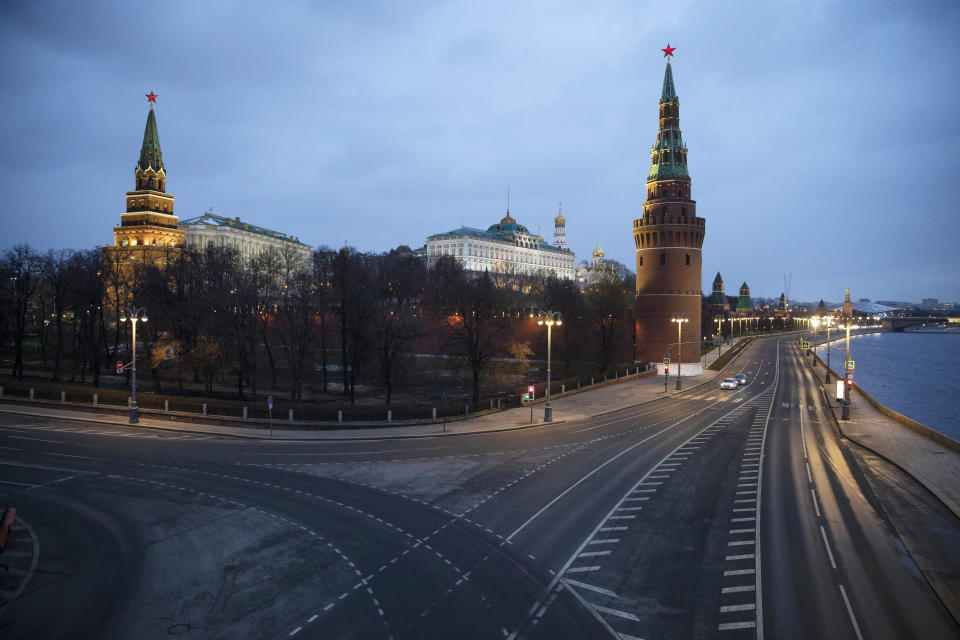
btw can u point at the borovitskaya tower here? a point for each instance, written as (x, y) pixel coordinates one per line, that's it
(669, 238)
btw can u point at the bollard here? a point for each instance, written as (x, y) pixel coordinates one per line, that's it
(96, 397)
(434, 414)
(615, 374)
(491, 404)
(290, 415)
(63, 396)
(166, 406)
(340, 417)
(31, 394)
(604, 377)
(563, 388)
(389, 415)
(245, 414)
(466, 409)
(591, 382)
(578, 384)
(204, 408)
(498, 403)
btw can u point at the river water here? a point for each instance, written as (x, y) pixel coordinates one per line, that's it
(914, 373)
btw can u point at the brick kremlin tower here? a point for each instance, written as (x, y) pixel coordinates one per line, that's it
(669, 238)
(148, 221)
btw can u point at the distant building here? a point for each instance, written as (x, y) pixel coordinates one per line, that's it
(560, 230)
(744, 303)
(249, 240)
(782, 305)
(929, 303)
(505, 247)
(847, 307)
(718, 299)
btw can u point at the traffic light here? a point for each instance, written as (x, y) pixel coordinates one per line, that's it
(666, 368)
(119, 367)
(530, 389)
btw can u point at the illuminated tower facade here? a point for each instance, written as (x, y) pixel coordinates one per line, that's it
(668, 241)
(560, 230)
(149, 220)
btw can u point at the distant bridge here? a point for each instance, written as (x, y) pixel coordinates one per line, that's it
(899, 324)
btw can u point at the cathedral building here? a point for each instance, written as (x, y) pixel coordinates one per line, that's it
(668, 238)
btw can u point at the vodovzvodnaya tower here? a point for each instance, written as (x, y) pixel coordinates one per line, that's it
(669, 238)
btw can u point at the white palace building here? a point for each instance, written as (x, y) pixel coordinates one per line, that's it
(248, 239)
(506, 247)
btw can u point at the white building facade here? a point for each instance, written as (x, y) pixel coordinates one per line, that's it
(248, 239)
(506, 247)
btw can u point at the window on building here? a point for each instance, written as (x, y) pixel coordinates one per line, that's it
(663, 258)
(688, 259)
(640, 261)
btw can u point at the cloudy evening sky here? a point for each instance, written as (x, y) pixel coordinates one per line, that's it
(823, 136)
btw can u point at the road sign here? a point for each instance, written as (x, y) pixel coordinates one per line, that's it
(269, 402)
(849, 376)
(119, 367)
(850, 364)
(666, 361)
(805, 344)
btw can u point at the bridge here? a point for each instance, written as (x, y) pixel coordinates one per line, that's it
(899, 324)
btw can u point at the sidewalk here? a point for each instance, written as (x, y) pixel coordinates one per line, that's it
(933, 461)
(574, 405)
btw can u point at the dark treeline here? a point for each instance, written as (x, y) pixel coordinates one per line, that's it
(329, 323)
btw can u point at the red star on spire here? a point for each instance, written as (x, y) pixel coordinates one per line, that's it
(668, 51)
(152, 97)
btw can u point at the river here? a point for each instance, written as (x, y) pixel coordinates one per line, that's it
(916, 373)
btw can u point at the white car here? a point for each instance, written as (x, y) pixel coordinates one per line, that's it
(728, 383)
(741, 379)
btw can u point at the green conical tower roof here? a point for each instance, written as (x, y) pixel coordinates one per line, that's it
(669, 154)
(669, 93)
(718, 278)
(150, 153)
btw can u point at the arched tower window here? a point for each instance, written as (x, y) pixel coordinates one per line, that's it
(640, 261)
(683, 210)
(688, 259)
(663, 258)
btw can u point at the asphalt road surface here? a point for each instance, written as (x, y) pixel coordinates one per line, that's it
(708, 514)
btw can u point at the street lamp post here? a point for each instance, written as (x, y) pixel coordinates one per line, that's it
(679, 318)
(846, 382)
(816, 324)
(828, 319)
(548, 318)
(134, 314)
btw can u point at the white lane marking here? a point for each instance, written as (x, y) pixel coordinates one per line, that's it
(582, 569)
(740, 543)
(739, 572)
(67, 455)
(809, 476)
(745, 556)
(827, 545)
(816, 507)
(604, 541)
(763, 445)
(590, 587)
(740, 589)
(34, 439)
(11, 448)
(595, 470)
(728, 626)
(616, 612)
(591, 554)
(737, 607)
(63, 479)
(613, 529)
(19, 484)
(853, 620)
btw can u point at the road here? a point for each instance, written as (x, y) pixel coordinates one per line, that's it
(707, 514)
